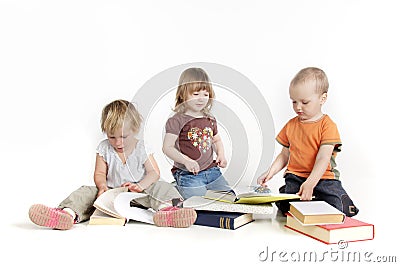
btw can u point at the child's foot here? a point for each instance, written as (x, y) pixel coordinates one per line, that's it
(50, 217)
(175, 217)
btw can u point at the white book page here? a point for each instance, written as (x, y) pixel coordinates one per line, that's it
(122, 206)
(105, 202)
(200, 203)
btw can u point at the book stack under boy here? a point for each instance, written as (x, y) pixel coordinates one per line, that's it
(323, 222)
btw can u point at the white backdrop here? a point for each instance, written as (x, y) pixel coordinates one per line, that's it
(62, 61)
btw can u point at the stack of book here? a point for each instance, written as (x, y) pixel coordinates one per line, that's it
(323, 222)
(233, 209)
(219, 209)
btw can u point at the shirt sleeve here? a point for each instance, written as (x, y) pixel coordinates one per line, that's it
(282, 137)
(173, 126)
(330, 135)
(102, 149)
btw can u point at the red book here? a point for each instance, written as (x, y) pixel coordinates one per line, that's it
(350, 230)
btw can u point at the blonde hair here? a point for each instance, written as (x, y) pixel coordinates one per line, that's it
(116, 113)
(193, 80)
(312, 74)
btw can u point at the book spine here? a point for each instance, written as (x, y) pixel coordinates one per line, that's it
(218, 222)
(225, 223)
(314, 237)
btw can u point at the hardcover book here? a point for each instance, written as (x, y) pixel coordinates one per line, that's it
(221, 219)
(350, 230)
(315, 212)
(100, 218)
(113, 207)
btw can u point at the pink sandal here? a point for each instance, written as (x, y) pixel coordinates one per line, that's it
(50, 217)
(175, 217)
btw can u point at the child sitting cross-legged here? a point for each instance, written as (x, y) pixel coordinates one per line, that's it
(121, 160)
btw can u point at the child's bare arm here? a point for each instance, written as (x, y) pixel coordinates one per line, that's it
(321, 163)
(100, 175)
(219, 150)
(279, 163)
(152, 175)
(170, 150)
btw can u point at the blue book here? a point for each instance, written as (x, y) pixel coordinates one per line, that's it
(223, 219)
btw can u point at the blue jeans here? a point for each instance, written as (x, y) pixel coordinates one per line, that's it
(190, 185)
(328, 190)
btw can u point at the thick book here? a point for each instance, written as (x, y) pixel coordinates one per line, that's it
(100, 218)
(201, 203)
(315, 212)
(222, 219)
(248, 197)
(351, 230)
(113, 207)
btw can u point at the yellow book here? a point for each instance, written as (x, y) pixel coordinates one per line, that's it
(249, 197)
(201, 203)
(100, 218)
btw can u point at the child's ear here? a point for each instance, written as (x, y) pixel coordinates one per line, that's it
(324, 96)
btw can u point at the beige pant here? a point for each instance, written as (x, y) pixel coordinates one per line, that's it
(81, 200)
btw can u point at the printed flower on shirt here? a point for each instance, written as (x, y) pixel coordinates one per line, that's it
(202, 139)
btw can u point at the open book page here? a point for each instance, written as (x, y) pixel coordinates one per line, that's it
(122, 206)
(105, 202)
(249, 191)
(266, 198)
(201, 203)
(237, 193)
(248, 195)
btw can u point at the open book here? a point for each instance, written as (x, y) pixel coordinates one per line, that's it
(201, 203)
(248, 196)
(113, 207)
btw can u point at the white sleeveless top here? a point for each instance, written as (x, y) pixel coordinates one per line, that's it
(132, 171)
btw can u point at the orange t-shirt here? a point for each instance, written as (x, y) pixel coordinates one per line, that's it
(304, 140)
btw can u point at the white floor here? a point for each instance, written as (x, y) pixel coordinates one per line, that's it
(261, 242)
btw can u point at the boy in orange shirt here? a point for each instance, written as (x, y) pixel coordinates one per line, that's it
(310, 143)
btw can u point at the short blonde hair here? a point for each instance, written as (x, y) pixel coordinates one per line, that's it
(312, 74)
(193, 80)
(116, 113)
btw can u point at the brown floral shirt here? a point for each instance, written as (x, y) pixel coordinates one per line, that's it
(194, 138)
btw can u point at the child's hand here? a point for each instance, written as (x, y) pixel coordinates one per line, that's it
(262, 180)
(192, 166)
(221, 161)
(101, 190)
(133, 187)
(306, 190)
